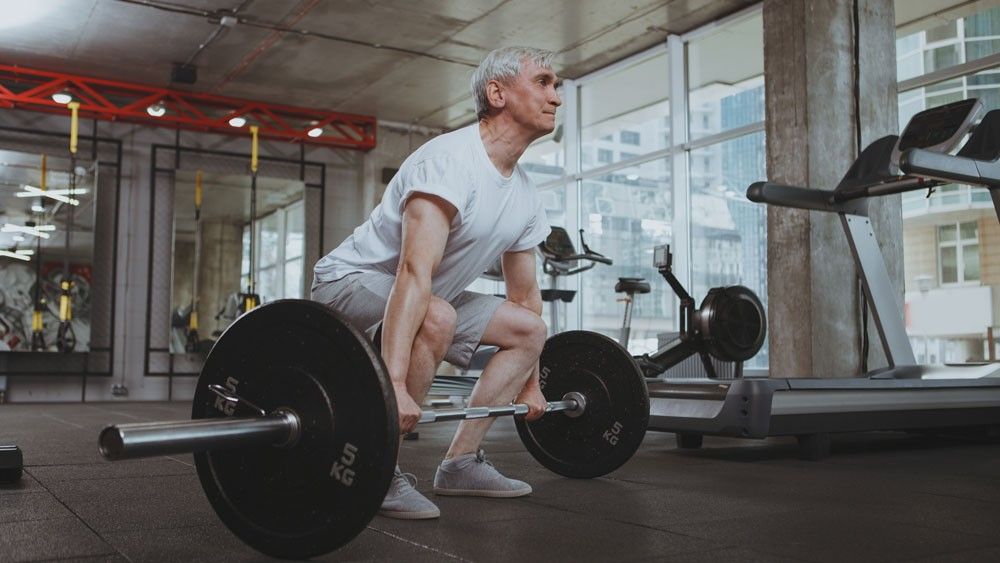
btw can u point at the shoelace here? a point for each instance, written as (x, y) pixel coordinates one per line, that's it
(408, 477)
(481, 457)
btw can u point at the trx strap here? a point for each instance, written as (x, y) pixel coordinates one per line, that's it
(191, 345)
(249, 299)
(66, 337)
(37, 324)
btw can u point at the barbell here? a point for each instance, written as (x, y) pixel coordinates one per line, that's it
(295, 429)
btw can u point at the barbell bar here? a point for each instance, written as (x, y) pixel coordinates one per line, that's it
(280, 429)
(295, 427)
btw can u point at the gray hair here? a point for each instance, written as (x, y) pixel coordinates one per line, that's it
(503, 64)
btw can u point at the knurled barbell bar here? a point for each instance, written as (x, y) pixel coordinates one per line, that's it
(308, 470)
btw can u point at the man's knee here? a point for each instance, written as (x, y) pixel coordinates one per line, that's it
(438, 328)
(530, 332)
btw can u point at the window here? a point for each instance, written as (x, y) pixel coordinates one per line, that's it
(625, 214)
(605, 156)
(278, 252)
(630, 105)
(958, 252)
(718, 87)
(630, 137)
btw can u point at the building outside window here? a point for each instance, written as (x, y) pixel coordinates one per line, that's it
(951, 239)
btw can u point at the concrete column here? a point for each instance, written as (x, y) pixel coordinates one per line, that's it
(816, 92)
(219, 275)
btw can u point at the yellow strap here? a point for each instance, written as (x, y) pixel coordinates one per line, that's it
(44, 174)
(253, 148)
(74, 125)
(65, 308)
(197, 190)
(65, 303)
(193, 321)
(36, 321)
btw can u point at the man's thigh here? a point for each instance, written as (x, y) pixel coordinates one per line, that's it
(361, 297)
(474, 312)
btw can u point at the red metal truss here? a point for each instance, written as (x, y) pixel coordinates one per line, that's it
(111, 100)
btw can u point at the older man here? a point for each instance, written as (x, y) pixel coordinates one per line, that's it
(457, 204)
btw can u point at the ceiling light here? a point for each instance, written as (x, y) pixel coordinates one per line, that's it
(25, 251)
(15, 255)
(631, 177)
(32, 191)
(156, 110)
(11, 228)
(315, 132)
(18, 237)
(238, 121)
(38, 208)
(62, 97)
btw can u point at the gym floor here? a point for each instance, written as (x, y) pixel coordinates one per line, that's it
(880, 497)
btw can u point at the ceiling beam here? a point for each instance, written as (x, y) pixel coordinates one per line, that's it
(111, 100)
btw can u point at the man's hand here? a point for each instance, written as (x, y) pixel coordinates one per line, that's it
(532, 396)
(409, 411)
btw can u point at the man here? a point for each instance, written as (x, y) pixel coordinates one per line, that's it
(457, 204)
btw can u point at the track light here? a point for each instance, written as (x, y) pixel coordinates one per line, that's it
(15, 255)
(29, 230)
(315, 132)
(62, 97)
(237, 121)
(156, 110)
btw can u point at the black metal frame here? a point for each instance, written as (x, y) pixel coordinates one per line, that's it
(79, 362)
(179, 152)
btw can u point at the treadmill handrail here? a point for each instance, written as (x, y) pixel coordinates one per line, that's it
(950, 168)
(799, 197)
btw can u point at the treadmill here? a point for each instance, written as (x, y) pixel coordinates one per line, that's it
(903, 396)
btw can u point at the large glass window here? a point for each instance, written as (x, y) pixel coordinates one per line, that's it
(625, 214)
(625, 113)
(728, 232)
(726, 91)
(944, 232)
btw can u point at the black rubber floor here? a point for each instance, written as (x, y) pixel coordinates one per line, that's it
(885, 497)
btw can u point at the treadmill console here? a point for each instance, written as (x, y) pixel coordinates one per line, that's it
(938, 129)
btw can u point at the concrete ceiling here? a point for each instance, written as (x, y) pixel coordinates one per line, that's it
(399, 60)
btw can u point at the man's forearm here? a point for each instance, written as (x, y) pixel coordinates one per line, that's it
(407, 304)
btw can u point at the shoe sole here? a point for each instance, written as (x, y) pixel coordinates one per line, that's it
(412, 515)
(482, 493)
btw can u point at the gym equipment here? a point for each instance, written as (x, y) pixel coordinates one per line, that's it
(249, 299)
(630, 287)
(904, 395)
(296, 431)
(730, 325)
(65, 336)
(559, 259)
(11, 464)
(191, 338)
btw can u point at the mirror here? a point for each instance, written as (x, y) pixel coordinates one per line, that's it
(47, 210)
(212, 246)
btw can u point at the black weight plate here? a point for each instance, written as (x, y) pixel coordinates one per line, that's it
(614, 422)
(316, 496)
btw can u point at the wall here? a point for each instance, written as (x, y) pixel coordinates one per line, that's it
(352, 180)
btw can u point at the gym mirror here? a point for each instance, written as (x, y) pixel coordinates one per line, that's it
(47, 210)
(213, 237)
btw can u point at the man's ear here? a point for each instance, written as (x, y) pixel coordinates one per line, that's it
(495, 94)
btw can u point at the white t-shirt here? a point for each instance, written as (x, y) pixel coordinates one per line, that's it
(495, 215)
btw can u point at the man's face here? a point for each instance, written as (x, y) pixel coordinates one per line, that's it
(532, 99)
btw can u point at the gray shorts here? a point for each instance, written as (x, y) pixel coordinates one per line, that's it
(362, 297)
